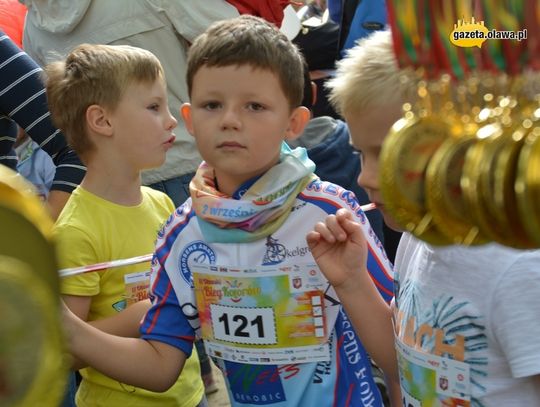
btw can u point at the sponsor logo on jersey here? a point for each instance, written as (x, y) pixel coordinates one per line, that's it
(276, 252)
(196, 252)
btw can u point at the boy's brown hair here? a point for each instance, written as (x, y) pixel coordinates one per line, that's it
(249, 40)
(94, 75)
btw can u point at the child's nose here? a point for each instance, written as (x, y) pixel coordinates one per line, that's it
(171, 122)
(368, 178)
(230, 119)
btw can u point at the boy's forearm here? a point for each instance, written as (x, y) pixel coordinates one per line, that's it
(57, 200)
(150, 365)
(394, 393)
(125, 323)
(372, 320)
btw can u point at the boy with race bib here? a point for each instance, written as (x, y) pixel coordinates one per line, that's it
(232, 264)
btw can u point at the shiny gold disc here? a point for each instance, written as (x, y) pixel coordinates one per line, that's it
(404, 158)
(527, 185)
(32, 365)
(33, 361)
(477, 185)
(444, 196)
(505, 200)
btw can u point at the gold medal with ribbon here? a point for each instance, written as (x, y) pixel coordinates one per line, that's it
(33, 360)
(462, 165)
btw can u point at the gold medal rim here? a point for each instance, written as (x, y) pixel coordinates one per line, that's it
(19, 194)
(409, 215)
(475, 186)
(50, 377)
(459, 230)
(526, 185)
(493, 221)
(21, 212)
(505, 199)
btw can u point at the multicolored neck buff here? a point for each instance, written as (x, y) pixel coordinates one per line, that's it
(261, 210)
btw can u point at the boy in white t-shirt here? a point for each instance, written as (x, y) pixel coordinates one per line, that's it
(466, 318)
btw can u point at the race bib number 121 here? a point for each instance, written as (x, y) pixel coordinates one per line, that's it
(263, 316)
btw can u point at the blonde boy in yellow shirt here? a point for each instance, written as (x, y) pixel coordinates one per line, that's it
(111, 102)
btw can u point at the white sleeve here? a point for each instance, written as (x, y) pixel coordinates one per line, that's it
(516, 314)
(191, 18)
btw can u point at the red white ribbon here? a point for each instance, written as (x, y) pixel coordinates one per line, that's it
(136, 260)
(105, 265)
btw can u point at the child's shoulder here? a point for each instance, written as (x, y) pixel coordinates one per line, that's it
(178, 219)
(158, 198)
(77, 215)
(153, 193)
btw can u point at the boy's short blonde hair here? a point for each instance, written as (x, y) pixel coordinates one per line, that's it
(367, 77)
(94, 75)
(249, 40)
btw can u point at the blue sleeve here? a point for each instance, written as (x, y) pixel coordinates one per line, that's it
(383, 281)
(370, 16)
(335, 9)
(23, 99)
(378, 265)
(165, 321)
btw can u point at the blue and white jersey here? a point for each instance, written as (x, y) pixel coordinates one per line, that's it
(344, 380)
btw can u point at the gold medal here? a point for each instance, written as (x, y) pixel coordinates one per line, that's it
(475, 180)
(404, 158)
(19, 194)
(505, 201)
(33, 364)
(482, 179)
(527, 185)
(24, 214)
(32, 367)
(444, 196)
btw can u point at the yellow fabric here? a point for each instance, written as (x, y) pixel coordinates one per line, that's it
(92, 230)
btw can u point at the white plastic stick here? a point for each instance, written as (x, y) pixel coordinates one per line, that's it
(136, 260)
(105, 265)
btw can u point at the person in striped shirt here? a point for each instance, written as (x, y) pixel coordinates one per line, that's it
(23, 102)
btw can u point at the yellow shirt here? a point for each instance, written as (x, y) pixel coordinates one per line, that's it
(93, 230)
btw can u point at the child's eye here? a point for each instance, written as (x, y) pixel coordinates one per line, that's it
(154, 107)
(354, 149)
(211, 105)
(256, 107)
(358, 153)
(360, 157)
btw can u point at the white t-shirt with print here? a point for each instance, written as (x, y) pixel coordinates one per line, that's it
(489, 295)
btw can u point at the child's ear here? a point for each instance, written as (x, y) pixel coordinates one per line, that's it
(97, 120)
(185, 112)
(297, 122)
